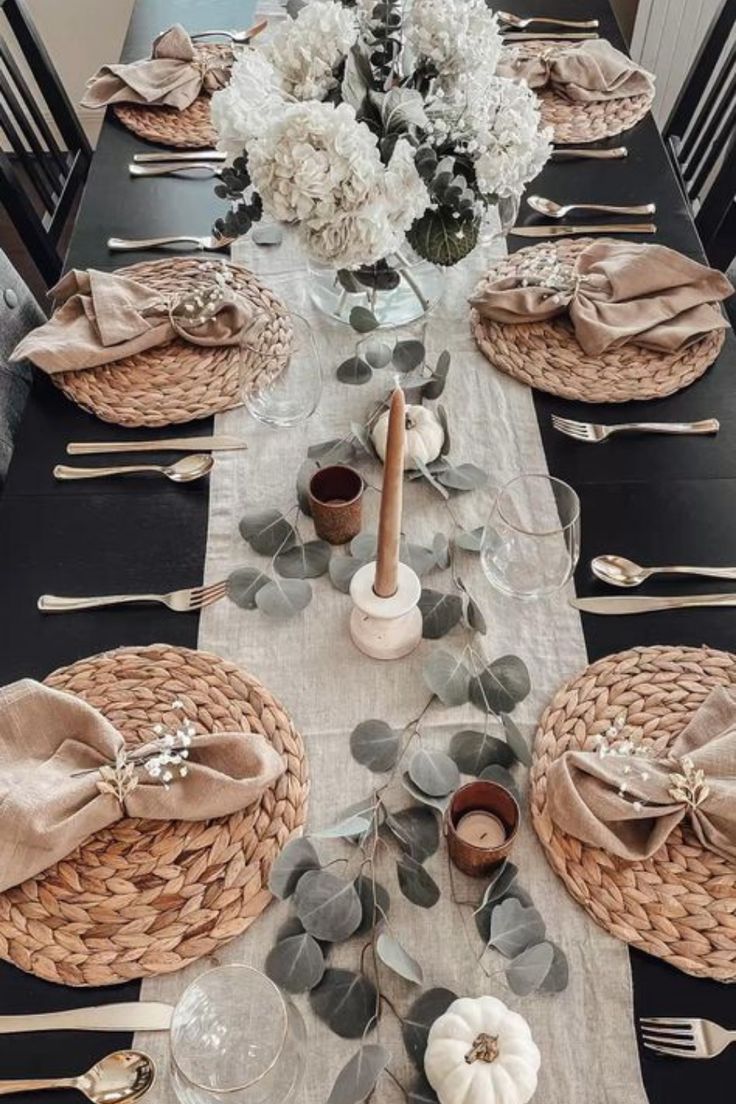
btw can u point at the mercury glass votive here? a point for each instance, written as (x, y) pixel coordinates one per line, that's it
(481, 825)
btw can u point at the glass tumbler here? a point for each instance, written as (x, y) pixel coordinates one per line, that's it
(235, 1039)
(531, 543)
(293, 395)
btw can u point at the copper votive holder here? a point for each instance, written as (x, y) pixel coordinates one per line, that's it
(499, 809)
(336, 502)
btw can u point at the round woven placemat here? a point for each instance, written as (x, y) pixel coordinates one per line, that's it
(187, 129)
(181, 381)
(680, 905)
(577, 123)
(546, 355)
(147, 897)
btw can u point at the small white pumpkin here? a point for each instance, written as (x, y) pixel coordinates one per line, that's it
(480, 1052)
(424, 436)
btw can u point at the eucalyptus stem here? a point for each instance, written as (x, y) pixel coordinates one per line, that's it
(411, 282)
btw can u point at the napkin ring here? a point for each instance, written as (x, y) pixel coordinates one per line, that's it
(689, 784)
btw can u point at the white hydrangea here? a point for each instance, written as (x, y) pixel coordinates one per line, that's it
(315, 161)
(243, 109)
(305, 50)
(406, 193)
(512, 145)
(460, 37)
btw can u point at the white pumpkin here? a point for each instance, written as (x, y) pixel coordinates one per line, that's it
(424, 436)
(480, 1052)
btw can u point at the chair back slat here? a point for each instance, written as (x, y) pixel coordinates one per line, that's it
(705, 65)
(46, 154)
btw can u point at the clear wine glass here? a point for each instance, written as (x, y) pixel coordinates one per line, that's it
(235, 1039)
(293, 395)
(531, 543)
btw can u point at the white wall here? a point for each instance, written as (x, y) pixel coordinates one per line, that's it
(80, 35)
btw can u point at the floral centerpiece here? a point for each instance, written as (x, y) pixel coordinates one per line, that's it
(375, 131)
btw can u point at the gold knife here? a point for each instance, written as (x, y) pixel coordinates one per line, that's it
(528, 36)
(591, 228)
(132, 1016)
(568, 153)
(645, 604)
(177, 444)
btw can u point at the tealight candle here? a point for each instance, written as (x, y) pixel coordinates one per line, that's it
(481, 826)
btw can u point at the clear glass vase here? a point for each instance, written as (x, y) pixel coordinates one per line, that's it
(397, 291)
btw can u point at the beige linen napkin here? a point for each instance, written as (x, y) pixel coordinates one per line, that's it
(617, 292)
(627, 804)
(586, 73)
(172, 77)
(105, 316)
(53, 794)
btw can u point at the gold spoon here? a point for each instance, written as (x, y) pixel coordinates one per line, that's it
(558, 210)
(120, 1078)
(516, 21)
(185, 470)
(620, 572)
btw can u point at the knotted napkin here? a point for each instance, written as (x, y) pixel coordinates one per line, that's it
(174, 76)
(627, 804)
(586, 73)
(65, 774)
(105, 316)
(616, 293)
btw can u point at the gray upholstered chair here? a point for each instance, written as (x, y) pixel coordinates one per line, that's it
(19, 313)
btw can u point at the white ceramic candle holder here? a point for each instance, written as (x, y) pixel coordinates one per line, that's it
(385, 628)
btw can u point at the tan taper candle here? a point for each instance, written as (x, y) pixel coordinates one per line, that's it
(389, 524)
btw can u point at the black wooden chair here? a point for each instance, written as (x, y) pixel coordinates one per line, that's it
(701, 137)
(19, 313)
(46, 157)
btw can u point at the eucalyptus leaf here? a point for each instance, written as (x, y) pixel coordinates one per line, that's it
(516, 741)
(408, 355)
(416, 556)
(341, 570)
(472, 612)
(357, 1078)
(328, 907)
(474, 751)
(354, 371)
(502, 880)
(497, 773)
(417, 884)
(394, 956)
(434, 772)
(447, 676)
(365, 546)
(416, 1023)
(402, 109)
(421, 1092)
(429, 475)
(513, 927)
(291, 926)
(267, 531)
(284, 597)
(464, 477)
(362, 320)
(438, 803)
(442, 419)
(243, 584)
(470, 540)
(377, 906)
(303, 478)
(293, 7)
(345, 1001)
(435, 385)
(267, 235)
(559, 972)
(416, 831)
(376, 353)
(440, 613)
(304, 561)
(441, 550)
(354, 87)
(348, 828)
(483, 916)
(296, 964)
(338, 450)
(501, 686)
(527, 971)
(375, 745)
(298, 857)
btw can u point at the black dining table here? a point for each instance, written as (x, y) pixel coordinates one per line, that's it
(655, 499)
